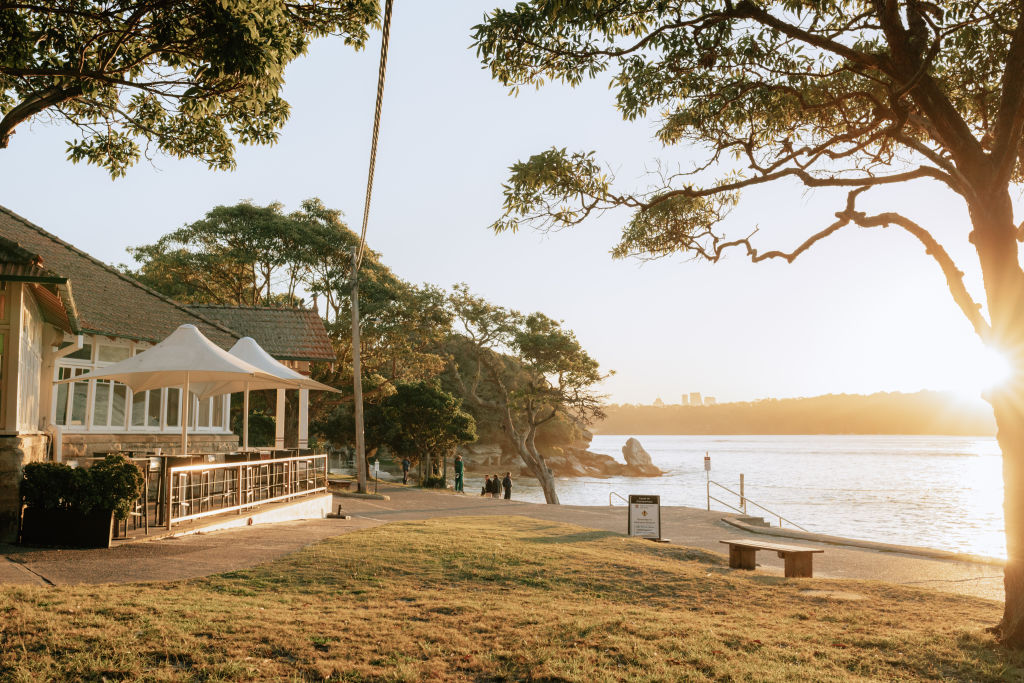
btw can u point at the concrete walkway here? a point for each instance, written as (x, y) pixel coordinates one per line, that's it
(204, 554)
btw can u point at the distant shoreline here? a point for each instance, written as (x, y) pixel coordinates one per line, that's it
(639, 435)
(926, 413)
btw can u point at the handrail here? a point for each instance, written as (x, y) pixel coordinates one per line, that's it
(235, 486)
(612, 493)
(747, 500)
(727, 505)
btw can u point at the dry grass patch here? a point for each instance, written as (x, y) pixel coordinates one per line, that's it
(496, 599)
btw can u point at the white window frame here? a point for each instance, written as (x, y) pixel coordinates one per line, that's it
(80, 366)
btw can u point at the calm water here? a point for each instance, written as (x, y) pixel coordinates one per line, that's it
(933, 491)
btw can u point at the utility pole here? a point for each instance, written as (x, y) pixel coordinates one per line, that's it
(357, 378)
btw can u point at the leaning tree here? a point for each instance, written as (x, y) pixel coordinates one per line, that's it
(525, 370)
(189, 78)
(853, 95)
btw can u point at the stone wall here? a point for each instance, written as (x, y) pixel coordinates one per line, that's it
(87, 445)
(15, 453)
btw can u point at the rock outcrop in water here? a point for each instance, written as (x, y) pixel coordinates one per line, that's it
(573, 460)
(639, 460)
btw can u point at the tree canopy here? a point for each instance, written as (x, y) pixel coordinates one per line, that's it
(851, 94)
(187, 79)
(525, 370)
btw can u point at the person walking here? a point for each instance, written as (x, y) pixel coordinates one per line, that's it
(506, 484)
(459, 472)
(405, 470)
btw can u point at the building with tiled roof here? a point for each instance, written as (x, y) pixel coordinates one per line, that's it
(285, 333)
(107, 300)
(64, 314)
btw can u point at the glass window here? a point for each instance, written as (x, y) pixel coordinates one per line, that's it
(112, 354)
(62, 396)
(218, 411)
(117, 406)
(173, 405)
(155, 406)
(204, 412)
(101, 406)
(79, 401)
(73, 394)
(139, 409)
(84, 353)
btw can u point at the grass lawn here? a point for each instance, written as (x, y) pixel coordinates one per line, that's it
(494, 599)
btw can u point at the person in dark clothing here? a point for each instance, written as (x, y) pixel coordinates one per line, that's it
(405, 470)
(506, 483)
(486, 490)
(459, 474)
(495, 486)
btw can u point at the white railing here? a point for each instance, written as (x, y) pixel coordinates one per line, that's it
(744, 501)
(197, 491)
(612, 493)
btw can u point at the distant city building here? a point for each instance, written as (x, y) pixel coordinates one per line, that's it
(685, 400)
(710, 400)
(658, 402)
(695, 398)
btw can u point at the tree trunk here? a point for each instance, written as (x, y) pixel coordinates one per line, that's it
(994, 237)
(539, 468)
(1009, 412)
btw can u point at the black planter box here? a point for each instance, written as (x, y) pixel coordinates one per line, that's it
(67, 528)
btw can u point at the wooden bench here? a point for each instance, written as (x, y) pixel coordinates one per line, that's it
(798, 558)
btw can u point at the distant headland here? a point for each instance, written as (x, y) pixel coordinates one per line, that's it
(924, 412)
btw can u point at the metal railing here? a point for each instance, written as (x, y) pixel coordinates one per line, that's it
(197, 491)
(612, 493)
(744, 501)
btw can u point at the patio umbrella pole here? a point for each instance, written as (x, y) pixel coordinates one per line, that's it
(185, 402)
(245, 419)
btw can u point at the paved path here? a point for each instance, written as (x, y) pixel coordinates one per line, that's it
(204, 554)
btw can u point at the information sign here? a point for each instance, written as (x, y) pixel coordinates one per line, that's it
(707, 463)
(645, 516)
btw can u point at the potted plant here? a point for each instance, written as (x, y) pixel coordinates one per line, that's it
(77, 507)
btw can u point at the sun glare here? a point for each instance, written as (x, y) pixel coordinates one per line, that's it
(983, 371)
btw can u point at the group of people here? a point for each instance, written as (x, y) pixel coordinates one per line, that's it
(493, 486)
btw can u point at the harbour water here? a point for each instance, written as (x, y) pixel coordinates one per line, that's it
(931, 491)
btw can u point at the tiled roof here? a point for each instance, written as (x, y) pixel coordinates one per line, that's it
(284, 333)
(20, 265)
(107, 301)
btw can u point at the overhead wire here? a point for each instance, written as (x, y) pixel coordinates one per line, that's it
(386, 36)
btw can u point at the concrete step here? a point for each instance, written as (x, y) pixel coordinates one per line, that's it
(753, 521)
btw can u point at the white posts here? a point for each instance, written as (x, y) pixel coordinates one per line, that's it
(303, 418)
(186, 403)
(245, 419)
(279, 421)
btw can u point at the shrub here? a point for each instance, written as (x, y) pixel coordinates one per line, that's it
(115, 484)
(434, 483)
(47, 485)
(111, 484)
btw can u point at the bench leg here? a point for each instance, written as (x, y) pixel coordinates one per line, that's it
(742, 558)
(798, 565)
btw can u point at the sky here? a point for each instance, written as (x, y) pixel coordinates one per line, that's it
(864, 311)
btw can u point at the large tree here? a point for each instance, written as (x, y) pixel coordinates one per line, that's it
(853, 95)
(525, 370)
(189, 78)
(426, 421)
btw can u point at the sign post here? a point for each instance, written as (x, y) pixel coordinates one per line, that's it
(376, 473)
(645, 517)
(707, 475)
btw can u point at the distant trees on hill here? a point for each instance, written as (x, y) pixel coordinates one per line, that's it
(926, 412)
